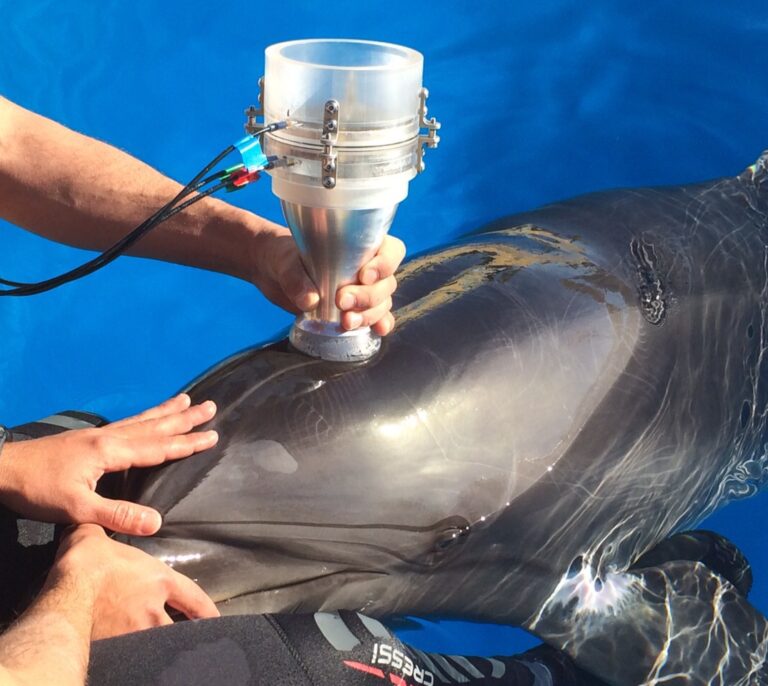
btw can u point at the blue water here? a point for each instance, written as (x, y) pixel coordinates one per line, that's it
(538, 101)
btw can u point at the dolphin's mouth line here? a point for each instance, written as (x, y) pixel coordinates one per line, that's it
(443, 523)
(418, 548)
(267, 542)
(303, 582)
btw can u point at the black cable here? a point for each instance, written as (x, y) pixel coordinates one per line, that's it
(99, 261)
(211, 165)
(141, 228)
(168, 210)
(115, 251)
(192, 201)
(6, 282)
(110, 254)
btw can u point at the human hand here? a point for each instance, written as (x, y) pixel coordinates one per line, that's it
(129, 588)
(281, 276)
(53, 479)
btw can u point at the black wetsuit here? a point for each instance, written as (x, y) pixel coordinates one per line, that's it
(343, 648)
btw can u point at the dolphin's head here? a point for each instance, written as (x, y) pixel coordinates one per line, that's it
(349, 485)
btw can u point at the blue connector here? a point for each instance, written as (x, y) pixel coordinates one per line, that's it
(251, 152)
(250, 148)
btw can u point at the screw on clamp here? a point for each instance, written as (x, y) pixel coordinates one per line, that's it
(253, 112)
(328, 138)
(430, 139)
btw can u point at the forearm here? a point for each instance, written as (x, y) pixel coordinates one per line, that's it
(50, 643)
(79, 191)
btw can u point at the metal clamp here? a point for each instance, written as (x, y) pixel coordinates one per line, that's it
(328, 139)
(430, 139)
(252, 112)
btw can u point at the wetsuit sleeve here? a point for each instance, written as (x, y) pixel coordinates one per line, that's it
(344, 648)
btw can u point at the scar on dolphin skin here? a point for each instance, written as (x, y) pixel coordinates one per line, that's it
(541, 247)
(653, 302)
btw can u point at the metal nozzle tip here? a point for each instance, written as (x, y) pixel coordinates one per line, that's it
(284, 124)
(275, 162)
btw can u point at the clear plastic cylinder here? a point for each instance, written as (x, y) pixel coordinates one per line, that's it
(376, 84)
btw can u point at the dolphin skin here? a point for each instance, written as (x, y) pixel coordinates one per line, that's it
(564, 391)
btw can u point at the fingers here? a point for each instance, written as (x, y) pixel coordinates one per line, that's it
(285, 281)
(353, 320)
(369, 304)
(361, 298)
(122, 453)
(297, 285)
(385, 263)
(178, 403)
(385, 325)
(289, 286)
(121, 516)
(170, 424)
(279, 272)
(187, 597)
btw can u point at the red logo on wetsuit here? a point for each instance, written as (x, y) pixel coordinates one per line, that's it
(388, 656)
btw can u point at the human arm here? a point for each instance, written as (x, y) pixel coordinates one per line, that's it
(50, 642)
(54, 478)
(97, 588)
(76, 190)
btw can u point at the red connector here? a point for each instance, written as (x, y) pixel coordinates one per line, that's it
(241, 178)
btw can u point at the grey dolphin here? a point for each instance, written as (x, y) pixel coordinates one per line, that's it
(564, 391)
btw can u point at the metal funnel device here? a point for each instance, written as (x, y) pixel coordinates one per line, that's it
(356, 137)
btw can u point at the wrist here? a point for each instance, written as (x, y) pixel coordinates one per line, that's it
(230, 240)
(264, 244)
(54, 634)
(75, 573)
(65, 582)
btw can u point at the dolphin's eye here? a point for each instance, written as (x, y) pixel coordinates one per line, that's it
(450, 537)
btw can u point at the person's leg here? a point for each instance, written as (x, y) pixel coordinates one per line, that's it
(324, 648)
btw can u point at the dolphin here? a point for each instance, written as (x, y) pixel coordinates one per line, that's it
(565, 389)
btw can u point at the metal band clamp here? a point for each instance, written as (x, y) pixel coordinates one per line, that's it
(328, 138)
(252, 112)
(430, 139)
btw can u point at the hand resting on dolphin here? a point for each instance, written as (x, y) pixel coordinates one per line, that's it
(565, 390)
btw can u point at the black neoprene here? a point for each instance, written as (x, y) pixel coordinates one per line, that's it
(344, 649)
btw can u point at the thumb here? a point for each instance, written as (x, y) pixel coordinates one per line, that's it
(300, 289)
(123, 517)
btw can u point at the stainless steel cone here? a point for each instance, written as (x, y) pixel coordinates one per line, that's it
(334, 245)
